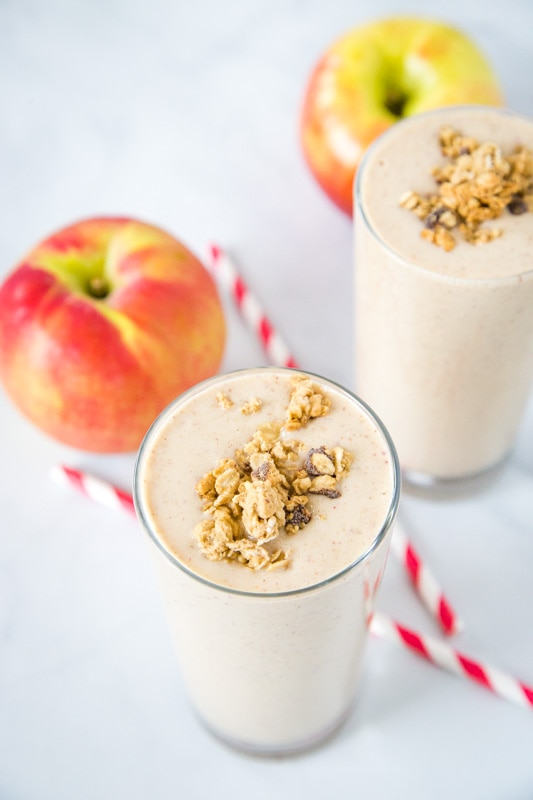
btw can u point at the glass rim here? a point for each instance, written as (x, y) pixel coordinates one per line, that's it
(359, 205)
(143, 516)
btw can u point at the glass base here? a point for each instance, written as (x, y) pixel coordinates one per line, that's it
(430, 486)
(283, 749)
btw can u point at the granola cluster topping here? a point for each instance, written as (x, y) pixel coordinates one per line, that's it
(250, 407)
(476, 185)
(266, 486)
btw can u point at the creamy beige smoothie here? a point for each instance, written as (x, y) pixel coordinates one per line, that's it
(271, 653)
(444, 337)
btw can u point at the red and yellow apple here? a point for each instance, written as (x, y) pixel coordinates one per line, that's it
(375, 75)
(101, 326)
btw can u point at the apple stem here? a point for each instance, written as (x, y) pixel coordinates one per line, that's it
(98, 287)
(395, 100)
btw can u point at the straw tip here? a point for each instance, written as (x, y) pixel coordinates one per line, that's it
(215, 251)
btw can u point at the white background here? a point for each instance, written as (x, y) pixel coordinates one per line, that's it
(186, 114)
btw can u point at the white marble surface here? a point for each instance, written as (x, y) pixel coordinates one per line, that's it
(186, 114)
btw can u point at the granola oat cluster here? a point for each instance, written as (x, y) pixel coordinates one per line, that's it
(476, 185)
(266, 486)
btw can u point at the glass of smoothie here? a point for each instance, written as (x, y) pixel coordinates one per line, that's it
(443, 292)
(268, 496)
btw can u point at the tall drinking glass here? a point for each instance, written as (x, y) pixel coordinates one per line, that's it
(270, 657)
(444, 338)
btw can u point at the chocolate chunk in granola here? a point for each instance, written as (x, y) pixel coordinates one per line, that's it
(517, 205)
(318, 462)
(262, 471)
(332, 493)
(441, 216)
(326, 485)
(297, 518)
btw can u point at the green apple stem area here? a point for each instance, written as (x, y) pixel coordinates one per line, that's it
(395, 100)
(98, 287)
(406, 85)
(85, 275)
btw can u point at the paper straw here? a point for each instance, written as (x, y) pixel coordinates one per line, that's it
(102, 492)
(225, 270)
(106, 494)
(443, 655)
(438, 652)
(424, 582)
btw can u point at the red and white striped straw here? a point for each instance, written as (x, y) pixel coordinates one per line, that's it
(102, 492)
(434, 650)
(424, 582)
(225, 269)
(106, 494)
(443, 655)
